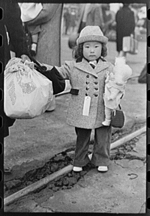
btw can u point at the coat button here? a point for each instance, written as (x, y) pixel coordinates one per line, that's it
(87, 83)
(87, 75)
(87, 88)
(96, 88)
(95, 95)
(96, 83)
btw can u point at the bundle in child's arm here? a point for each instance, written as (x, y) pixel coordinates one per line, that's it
(122, 71)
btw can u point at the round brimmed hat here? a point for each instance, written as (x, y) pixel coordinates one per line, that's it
(91, 33)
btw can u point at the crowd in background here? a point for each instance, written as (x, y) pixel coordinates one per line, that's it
(72, 14)
(44, 24)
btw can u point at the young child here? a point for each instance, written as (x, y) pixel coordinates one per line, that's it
(115, 87)
(87, 76)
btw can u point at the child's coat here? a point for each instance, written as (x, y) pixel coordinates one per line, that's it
(86, 81)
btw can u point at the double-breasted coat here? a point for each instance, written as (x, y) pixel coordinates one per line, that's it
(86, 81)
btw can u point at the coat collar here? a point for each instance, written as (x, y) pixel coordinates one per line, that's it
(85, 67)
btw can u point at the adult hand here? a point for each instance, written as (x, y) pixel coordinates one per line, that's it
(25, 57)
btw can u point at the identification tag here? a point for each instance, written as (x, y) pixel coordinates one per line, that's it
(86, 105)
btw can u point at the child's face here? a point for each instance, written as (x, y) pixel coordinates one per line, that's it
(92, 50)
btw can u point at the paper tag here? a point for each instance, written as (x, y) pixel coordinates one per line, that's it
(86, 105)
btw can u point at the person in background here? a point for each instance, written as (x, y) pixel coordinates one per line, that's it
(109, 19)
(73, 18)
(90, 14)
(125, 25)
(87, 74)
(66, 17)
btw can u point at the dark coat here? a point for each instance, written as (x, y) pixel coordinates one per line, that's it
(11, 22)
(125, 25)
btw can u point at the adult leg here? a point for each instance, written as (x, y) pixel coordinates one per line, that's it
(101, 150)
(82, 145)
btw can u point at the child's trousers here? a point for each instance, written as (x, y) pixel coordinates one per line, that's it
(101, 148)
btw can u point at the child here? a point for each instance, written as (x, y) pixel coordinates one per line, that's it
(115, 87)
(86, 108)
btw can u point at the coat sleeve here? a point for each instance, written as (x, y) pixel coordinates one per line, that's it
(57, 80)
(52, 74)
(65, 70)
(15, 28)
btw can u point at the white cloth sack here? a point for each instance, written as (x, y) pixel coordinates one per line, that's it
(27, 93)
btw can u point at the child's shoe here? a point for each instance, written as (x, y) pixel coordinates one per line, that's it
(77, 169)
(102, 168)
(106, 122)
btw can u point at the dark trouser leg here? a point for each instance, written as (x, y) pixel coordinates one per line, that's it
(101, 150)
(82, 145)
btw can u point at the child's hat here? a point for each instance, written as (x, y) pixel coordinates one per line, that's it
(91, 33)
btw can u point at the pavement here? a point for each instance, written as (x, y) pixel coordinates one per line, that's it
(121, 190)
(32, 142)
